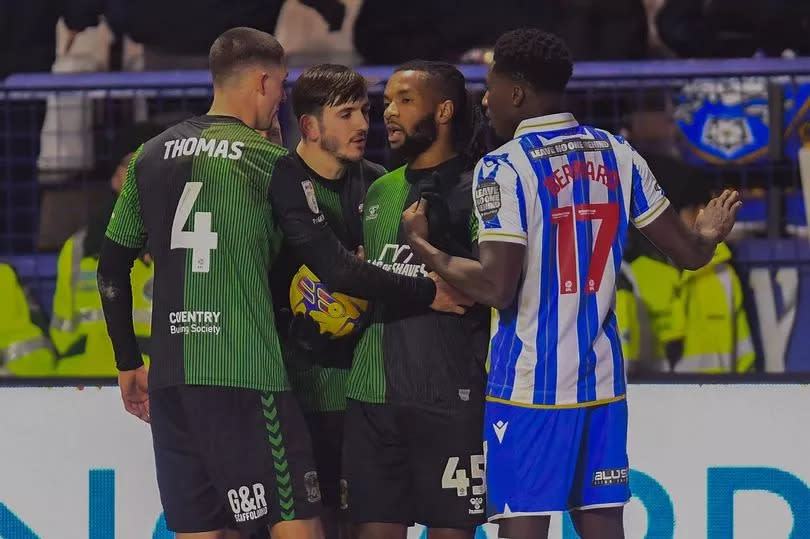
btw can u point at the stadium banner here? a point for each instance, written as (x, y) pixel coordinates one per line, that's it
(717, 461)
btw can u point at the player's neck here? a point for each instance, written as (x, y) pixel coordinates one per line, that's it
(543, 105)
(232, 106)
(439, 152)
(323, 163)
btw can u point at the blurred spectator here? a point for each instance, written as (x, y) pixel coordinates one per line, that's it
(177, 34)
(27, 44)
(78, 329)
(28, 35)
(634, 324)
(318, 31)
(600, 30)
(697, 318)
(24, 348)
(657, 284)
(391, 33)
(734, 28)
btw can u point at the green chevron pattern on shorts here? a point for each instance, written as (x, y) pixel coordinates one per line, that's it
(284, 485)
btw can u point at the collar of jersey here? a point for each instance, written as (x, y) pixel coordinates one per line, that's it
(549, 122)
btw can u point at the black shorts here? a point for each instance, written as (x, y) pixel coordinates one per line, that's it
(326, 430)
(232, 458)
(408, 465)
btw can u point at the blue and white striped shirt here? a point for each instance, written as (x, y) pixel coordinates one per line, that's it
(567, 192)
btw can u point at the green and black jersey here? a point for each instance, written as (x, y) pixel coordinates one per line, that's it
(418, 356)
(199, 192)
(340, 201)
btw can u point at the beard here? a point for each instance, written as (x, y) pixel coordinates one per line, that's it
(331, 145)
(425, 133)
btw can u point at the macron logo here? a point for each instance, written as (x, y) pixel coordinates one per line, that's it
(500, 429)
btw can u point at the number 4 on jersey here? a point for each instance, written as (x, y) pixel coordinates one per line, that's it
(202, 240)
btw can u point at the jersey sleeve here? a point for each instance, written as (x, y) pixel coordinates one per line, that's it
(295, 207)
(126, 222)
(499, 201)
(647, 199)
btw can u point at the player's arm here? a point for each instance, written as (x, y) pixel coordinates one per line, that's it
(124, 239)
(689, 248)
(493, 279)
(315, 244)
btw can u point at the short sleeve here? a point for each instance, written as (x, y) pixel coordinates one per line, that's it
(648, 200)
(499, 201)
(295, 207)
(126, 222)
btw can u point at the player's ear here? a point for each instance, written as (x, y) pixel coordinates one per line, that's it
(445, 111)
(264, 80)
(518, 95)
(308, 125)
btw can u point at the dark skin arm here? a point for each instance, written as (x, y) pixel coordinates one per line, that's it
(492, 280)
(693, 248)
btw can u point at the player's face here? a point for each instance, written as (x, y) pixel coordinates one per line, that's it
(498, 104)
(344, 129)
(270, 96)
(409, 114)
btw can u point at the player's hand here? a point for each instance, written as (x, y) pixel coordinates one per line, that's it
(306, 334)
(715, 221)
(135, 392)
(360, 253)
(414, 220)
(448, 299)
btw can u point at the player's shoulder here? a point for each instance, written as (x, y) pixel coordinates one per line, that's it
(365, 172)
(388, 179)
(504, 160)
(619, 144)
(371, 170)
(287, 168)
(157, 144)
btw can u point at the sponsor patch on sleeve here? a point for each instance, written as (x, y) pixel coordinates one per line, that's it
(309, 193)
(488, 200)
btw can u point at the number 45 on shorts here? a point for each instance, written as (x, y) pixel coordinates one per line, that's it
(455, 477)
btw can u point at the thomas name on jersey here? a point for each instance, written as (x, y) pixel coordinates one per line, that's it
(196, 146)
(186, 322)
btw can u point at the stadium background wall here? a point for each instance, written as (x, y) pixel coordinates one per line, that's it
(717, 461)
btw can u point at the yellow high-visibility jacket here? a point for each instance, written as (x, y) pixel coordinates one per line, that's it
(24, 348)
(78, 328)
(717, 337)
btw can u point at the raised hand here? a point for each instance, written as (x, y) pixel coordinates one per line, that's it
(715, 221)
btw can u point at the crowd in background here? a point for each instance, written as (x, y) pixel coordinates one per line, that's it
(176, 35)
(664, 312)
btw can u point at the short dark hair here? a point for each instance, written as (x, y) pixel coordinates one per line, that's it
(538, 58)
(242, 46)
(326, 85)
(468, 121)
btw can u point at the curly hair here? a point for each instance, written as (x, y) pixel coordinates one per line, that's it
(537, 58)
